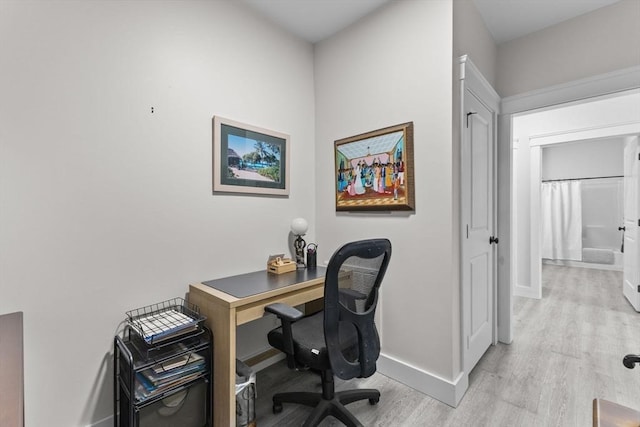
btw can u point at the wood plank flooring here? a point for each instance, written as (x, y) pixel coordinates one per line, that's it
(567, 350)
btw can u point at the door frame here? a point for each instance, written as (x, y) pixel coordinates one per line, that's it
(536, 143)
(599, 85)
(472, 80)
(630, 288)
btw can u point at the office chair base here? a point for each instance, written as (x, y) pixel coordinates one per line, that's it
(325, 407)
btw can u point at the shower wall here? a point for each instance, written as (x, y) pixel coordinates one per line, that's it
(602, 199)
(602, 213)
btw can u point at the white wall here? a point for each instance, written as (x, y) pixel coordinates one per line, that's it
(565, 123)
(583, 159)
(105, 207)
(594, 43)
(471, 37)
(390, 68)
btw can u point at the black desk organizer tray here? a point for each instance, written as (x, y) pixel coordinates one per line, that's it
(164, 385)
(149, 372)
(164, 322)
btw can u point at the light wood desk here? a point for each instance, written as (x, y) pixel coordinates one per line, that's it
(236, 300)
(11, 371)
(610, 414)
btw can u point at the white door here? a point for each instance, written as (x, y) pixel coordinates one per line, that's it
(478, 152)
(631, 281)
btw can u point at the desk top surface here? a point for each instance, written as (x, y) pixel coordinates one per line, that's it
(245, 285)
(610, 414)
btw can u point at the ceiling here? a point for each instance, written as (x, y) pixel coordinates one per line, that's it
(315, 20)
(508, 20)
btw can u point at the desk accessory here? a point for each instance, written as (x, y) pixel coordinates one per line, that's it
(162, 367)
(165, 320)
(312, 249)
(279, 265)
(299, 228)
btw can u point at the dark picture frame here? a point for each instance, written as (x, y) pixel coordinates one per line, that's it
(249, 159)
(374, 170)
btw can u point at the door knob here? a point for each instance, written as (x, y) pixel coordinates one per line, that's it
(622, 228)
(493, 239)
(630, 360)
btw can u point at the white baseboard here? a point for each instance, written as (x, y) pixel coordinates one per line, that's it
(449, 392)
(445, 391)
(106, 422)
(579, 264)
(525, 291)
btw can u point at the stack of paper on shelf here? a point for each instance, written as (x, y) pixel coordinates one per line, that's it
(164, 325)
(168, 374)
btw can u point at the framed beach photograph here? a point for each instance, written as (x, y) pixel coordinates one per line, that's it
(249, 159)
(374, 170)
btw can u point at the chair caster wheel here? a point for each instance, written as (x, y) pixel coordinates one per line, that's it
(277, 408)
(374, 400)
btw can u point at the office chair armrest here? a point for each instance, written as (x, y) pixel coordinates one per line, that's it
(287, 316)
(284, 311)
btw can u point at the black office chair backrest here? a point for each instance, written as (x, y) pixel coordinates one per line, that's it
(353, 277)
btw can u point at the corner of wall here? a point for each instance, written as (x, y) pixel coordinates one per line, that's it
(448, 392)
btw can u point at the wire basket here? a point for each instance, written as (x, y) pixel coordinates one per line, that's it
(158, 323)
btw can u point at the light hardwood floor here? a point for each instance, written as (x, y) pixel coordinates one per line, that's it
(567, 350)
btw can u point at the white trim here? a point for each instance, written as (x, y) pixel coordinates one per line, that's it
(105, 422)
(478, 85)
(580, 264)
(525, 291)
(603, 84)
(535, 229)
(608, 131)
(506, 230)
(449, 392)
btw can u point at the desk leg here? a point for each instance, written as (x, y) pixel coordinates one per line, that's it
(11, 370)
(222, 322)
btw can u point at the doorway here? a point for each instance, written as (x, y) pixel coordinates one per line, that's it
(611, 116)
(572, 92)
(582, 204)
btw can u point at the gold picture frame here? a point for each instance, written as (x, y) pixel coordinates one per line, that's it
(374, 170)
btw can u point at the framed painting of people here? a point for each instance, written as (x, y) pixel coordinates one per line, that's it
(374, 170)
(249, 159)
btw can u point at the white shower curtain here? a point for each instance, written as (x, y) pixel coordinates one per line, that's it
(561, 220)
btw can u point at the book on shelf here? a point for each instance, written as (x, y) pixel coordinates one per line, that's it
(178, 361)
(170, 373)
(164, 325)
(160, 377)
(145, 390)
